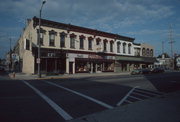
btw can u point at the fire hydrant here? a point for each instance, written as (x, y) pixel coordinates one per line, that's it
(14, 74)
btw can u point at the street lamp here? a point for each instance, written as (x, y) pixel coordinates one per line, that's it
(39, 38)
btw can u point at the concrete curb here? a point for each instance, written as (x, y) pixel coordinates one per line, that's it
(35, 77)
(159, 109)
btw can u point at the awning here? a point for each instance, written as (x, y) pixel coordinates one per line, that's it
(136, 59)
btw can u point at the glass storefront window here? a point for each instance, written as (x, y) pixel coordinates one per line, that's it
(108, 66)
(99, 67)
(82, 67)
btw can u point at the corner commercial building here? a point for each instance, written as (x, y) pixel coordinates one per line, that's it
(70, 49)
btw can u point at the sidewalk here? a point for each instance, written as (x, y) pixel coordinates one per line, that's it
(23, 76)
(163, 109)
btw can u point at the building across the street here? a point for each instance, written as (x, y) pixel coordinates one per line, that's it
(164, 61)
(70, 49)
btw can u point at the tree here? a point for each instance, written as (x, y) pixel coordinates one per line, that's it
(165, 55)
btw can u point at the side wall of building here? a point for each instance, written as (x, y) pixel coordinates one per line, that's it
(25, 52)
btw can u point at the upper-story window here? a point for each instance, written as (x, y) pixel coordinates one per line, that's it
(51, 40)
(111, 46)
(129, 48)
(27, 44)
(151, 52)
(143, 52)
(118, 47)
(137, 51)
(52, 35)
(124, 47)
(105, 45)
(62, 39)
(147, 52)
(72, 40)
(81, 38)
(98, 41)
(42, 32)
(90, 43)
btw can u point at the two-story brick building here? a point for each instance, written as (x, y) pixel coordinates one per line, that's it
(67, 48)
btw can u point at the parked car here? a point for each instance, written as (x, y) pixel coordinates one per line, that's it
(140, 71)
(136, 71)
(157, 70)
(146, 71)
(2, 69)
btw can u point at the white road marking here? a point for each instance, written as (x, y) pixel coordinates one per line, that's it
(57, 108)
(125, 97)
(149, 92)
(82, 95)
(141, 94)
(128, 101)
(135, 97)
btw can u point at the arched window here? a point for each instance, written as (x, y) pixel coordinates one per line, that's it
(42, 33)
(124, 47)
(118, 47)
(147, 52)
(62, 39)
(105, 44)
(111, 45)
(143, 51)
(90, 39)
(81, 39)
(72, 40)
(52, 35)
(151, 52)
(129, 48)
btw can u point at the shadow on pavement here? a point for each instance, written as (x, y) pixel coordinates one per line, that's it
(165, 82)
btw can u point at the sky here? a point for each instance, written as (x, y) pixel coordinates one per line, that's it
(148, 21)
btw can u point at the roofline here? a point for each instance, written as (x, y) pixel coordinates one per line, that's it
(75, 28)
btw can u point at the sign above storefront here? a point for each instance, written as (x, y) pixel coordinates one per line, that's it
(95, 56)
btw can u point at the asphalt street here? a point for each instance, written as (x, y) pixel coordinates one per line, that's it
(66, 99)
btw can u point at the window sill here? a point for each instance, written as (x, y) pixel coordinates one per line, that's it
(63, 47)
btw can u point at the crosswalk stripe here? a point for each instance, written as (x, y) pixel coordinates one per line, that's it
(82, 95)
(125, 97)
(148, 92)
(128, 101)
(135, 97)
(146, 96)
(57, 108)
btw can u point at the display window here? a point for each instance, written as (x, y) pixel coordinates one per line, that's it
(108, 66)
(82, 66)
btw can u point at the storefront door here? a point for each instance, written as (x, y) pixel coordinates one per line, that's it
(51, 65)
(94, 67)
(70, 67)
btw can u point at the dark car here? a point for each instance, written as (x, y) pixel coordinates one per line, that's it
(157, 70)
(2, 69)
(146, 71)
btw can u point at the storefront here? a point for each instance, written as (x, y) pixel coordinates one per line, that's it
(128, 63)
(91, 63)
(52, 61)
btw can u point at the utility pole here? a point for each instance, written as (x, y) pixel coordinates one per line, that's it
(162, 47)
(171, 41)
(10, 56)
(39, 41)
